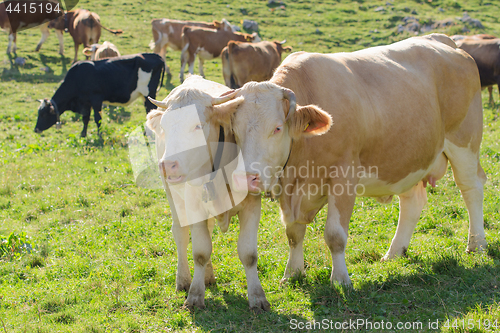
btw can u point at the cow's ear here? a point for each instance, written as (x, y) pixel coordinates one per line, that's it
(87, 51)
(153, 122)
(221, 114)
(308, 121)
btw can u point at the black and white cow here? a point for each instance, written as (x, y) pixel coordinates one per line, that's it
(115, 81)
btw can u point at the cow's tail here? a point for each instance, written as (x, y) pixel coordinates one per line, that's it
(116, 32)
(162, 75)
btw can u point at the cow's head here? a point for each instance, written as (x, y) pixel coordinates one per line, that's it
(183, 129)
(48, 115)
(265, 118)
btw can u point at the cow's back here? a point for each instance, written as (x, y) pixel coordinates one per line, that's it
(419, 89)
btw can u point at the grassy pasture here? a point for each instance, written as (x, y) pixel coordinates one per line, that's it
(103, 258)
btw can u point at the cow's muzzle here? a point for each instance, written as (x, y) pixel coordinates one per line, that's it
(246, 182)
(37, 131)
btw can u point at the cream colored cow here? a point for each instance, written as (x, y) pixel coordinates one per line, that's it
(183, 163)
(400, 113)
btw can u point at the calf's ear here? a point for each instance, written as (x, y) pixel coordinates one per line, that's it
(309, 120)
(153, 121)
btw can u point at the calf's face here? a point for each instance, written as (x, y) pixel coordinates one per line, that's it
(47, 116)
(265, 119)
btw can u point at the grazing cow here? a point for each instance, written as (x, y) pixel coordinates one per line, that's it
(244, 62)
(84, 26)
(207, 44)
(486, 53)
(14, 20)
(179, 163)
(101, 51)
(401, 112)
(115, 81)
(168, 33)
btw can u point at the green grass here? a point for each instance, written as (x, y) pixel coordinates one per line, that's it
(104, 259)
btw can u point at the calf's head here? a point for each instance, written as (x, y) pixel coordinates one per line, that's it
(264, 119)
(48, 115)
(186, 134)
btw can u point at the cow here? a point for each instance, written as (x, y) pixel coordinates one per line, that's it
(115, 81)
(401, 112)
(168, 33)
(207, 44)
(83, 26)
(243, 62)
(13, 20)
(486, 53)
(179, 163)
(101, 51)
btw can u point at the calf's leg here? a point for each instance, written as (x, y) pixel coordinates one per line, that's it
(247, 252)
(202, 249)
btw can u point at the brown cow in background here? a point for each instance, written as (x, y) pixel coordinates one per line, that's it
(486, 53)
(169, 32)
(83, 25)
(245, 62)
(207, 44)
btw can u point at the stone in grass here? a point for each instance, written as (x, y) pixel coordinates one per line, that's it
(250, 25)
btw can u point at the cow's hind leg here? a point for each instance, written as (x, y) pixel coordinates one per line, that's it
(44, 28)
(247, 252)
(411, 204)
(12, 39)
(470, 178)
(200, 65)
(490, 91)
(202, 249)
(86, 119)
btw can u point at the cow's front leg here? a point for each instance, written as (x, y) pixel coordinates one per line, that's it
(336, 231)
(202, 249)
(181, 238)
(76, 52)
(247, 252)
(60, 37)
(200, 66)
(295, 265)
(209, 271)
(44, 28)
(86, 119)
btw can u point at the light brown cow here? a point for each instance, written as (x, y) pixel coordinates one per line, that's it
(169, 32)
(243, 62)
(14, 20)
(486, 53)
(84, 26)
(101, 51)
(401, 112)
(207, 44)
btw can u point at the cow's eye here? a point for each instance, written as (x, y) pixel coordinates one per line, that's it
(278, 129)
(198, 127)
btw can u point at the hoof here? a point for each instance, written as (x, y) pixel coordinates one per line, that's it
(194, 302)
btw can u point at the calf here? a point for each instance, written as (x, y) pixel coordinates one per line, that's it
(207, 44)
(115, 81)
(101, 51)
(244, 62)
(83, 26)
(486, 53)
(168, 33)
(179, 164)
(14, 17)
(401, 113)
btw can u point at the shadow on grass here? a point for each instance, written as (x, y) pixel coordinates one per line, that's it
(45, 75)
(232, 314)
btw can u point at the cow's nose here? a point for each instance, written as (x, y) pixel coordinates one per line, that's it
(246, 182)
(37, 131)
(168, 167)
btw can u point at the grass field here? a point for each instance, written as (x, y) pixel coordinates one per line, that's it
(94, 253)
